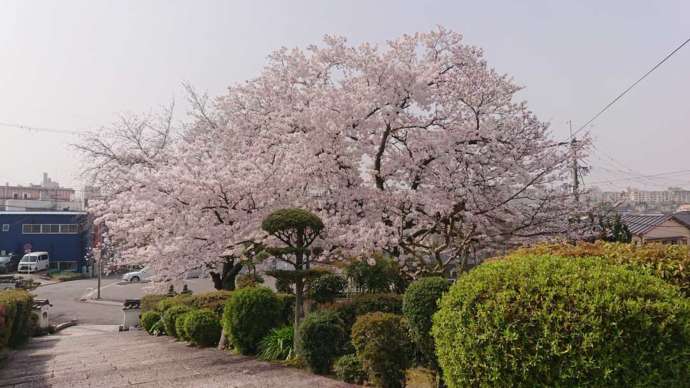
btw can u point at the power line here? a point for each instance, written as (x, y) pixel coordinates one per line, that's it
(678, 172)
(630, 87)
(40, 129)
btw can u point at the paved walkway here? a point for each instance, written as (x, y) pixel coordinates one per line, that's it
(98, 356)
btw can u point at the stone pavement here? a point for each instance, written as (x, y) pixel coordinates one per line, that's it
(99, 356)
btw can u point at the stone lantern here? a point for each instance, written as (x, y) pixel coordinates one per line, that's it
(131, 311)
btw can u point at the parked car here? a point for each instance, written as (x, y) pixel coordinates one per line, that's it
(34, 262)
(137, 276)
(9, 263)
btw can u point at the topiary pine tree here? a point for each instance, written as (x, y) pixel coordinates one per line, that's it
(297, 229)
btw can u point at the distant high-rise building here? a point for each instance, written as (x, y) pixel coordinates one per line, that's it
(46, 196)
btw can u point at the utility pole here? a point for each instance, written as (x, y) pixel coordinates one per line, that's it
(576, 179)
(97, 257)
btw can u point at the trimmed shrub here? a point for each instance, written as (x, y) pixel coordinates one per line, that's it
(382, 277)
(170, 316)
(383, 347)
(249, 315)
(349, 369)
(326, 288)
(213, 300)
(17, 306)
(202, 327)
(180, 325)
(244, 281)
(148, 319)
(277, 345)
(323, 335)
(361, 304)
(158, 328)
(177, 300)
(287, 308)
(419, 305)
(552, 321)
(150, 302)
(668, 262)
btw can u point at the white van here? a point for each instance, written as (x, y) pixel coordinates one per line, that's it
(33, 262)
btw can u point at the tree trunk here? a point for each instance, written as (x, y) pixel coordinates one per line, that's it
(299, 312)
(226, 279)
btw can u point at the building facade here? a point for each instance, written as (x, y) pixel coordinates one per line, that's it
(42, 197)
(64, 235)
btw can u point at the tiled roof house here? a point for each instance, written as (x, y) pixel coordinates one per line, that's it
(664, 228)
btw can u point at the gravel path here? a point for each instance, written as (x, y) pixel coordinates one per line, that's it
(99, 356)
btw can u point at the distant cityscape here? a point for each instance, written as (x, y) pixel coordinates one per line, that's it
(45, 196)
(632, 200)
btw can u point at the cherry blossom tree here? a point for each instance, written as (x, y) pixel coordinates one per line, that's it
(415, 148)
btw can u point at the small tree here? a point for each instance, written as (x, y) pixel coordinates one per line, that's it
(297, 229)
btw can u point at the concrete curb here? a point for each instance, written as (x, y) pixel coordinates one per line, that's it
(102, 302)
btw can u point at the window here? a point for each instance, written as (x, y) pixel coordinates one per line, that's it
(69, 228)
(5, 227)
(50, 228)
(31, 228)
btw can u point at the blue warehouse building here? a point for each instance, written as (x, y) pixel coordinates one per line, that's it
(64, 235)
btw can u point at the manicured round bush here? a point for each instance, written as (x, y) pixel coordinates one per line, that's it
(419, 305)
(177, 300)
(383, 347)
(668, 262)
(277, 345)
(249, 315)
(362, 304)
(150, 302)
(212, 300)
(323, 336)
(170, 315)
(202, 327)
(180, 326)
(16, 305)
(327, 287)
(550, 321)
(148, 319)
(349, 369)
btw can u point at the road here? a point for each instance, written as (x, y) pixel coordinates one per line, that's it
(67, 305)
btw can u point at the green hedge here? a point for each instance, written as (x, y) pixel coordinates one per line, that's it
(150, 302)
(213, 300)
(202, 327)
(327, 288)
(349, 369)
(177, 300)
(419, 305)
(249, 315)
(170, 317)
(383, 347)
(148, 319)
(181, 325)
(287, 308)
(16, 306)
(362, 304)
(322, 336)
(668, 262)
(550, 321)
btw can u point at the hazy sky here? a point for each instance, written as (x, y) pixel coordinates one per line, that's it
(76, 65)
